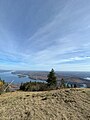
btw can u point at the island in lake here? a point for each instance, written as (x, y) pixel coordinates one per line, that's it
(69, 77)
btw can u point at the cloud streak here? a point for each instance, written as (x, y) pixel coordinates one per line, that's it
(43, 34)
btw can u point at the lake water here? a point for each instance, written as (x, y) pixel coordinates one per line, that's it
(8, 77)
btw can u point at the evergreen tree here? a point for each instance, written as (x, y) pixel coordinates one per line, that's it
(71, 86)
(75, 85)
(62, 83)
(51, 78)
(68, 86)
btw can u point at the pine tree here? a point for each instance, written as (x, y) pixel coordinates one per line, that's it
(75, 85)
(62, 83)
(51, 78)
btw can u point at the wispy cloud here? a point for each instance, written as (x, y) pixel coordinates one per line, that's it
(34, 35)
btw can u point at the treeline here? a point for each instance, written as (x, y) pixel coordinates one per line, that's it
(33, 86)
(50, 85)
(39, 86)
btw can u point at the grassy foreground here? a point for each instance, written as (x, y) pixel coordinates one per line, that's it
(64, 104)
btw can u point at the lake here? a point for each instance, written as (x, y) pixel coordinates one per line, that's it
(8, 77)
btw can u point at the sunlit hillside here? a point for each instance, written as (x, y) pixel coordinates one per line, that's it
(63, 104)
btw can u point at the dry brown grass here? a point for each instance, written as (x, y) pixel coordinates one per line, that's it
(65, 104)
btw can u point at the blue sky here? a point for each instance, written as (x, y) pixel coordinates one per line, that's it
(45, 34)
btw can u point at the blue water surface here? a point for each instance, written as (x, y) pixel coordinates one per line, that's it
(9, 77)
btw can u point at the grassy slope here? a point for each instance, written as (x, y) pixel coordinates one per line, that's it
(69, 104)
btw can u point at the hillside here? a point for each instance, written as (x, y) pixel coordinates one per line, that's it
(69, 104)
